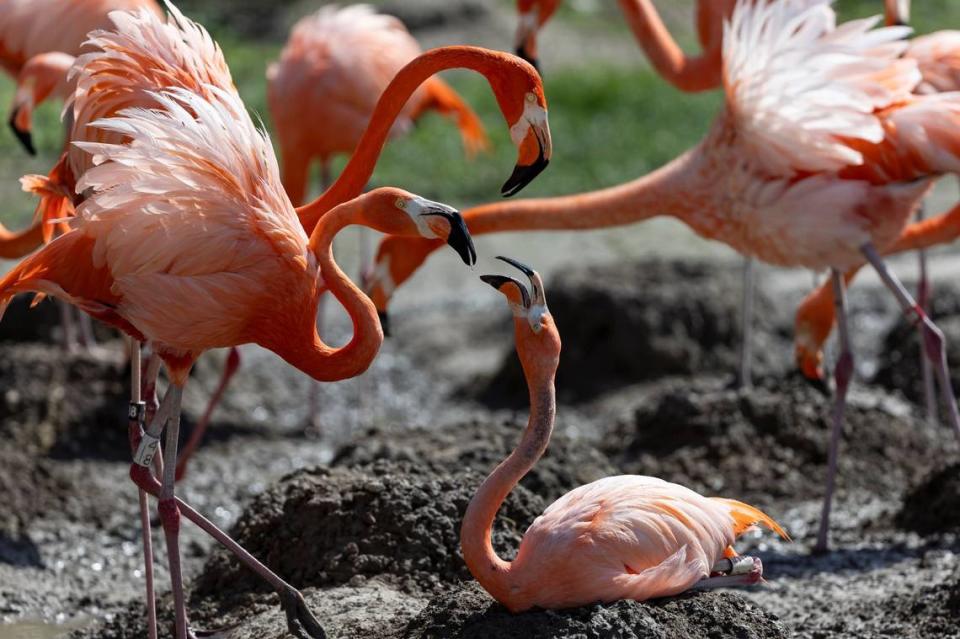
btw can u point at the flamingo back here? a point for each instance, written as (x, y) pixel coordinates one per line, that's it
(31, 27)
(938, 56)
(331, 74)
(626, 537)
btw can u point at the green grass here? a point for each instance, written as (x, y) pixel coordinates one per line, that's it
(609, 126)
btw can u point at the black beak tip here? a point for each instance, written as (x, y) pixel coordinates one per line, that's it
(526, 270)
(460, 240)
(522, 176)
(522, 53)
(26, 140)
(384, 322)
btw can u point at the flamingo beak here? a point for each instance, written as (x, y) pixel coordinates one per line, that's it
(499, 281)
(384, 322)
(524, 174)
(522, 53)
(24, 136)
(459, 238)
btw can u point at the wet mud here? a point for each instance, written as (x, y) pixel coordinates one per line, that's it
(363, 510)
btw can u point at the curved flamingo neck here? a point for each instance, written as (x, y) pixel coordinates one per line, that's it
(493, 573)
(671, 190)
(17, 244)
(359, 169)
(686, 73)
(322, 362)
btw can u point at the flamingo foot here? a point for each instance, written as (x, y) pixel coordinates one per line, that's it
(300, 621)
(736, 572)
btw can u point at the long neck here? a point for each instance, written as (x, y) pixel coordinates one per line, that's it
(671, 191)
(320, 361)
(491, 571)
(17, 244)
(685, 73)
(359, 169)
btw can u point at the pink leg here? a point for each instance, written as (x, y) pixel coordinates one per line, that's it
(87, 338)
(746, 322)
(843, 372)
(300, 621)
(934, 342)
(740, 571)
(313, 390)
(135, 426)
(229, 370)
(923, 299)
(69, 329)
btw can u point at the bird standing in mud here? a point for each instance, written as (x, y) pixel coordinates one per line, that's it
(325, 86)
(626, 537)
(819, 160)
(186, 238)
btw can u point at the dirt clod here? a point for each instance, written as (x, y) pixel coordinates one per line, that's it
(469, 612)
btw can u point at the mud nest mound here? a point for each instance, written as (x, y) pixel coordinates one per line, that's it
(931, 612)
(627, 323)
(324, 527)
(63, 406)
(470, 613)
(480, 446)
(29, 488)
(771, 444)
(899, 365)
(933, 505)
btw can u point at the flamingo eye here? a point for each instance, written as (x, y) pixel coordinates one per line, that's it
(401, 203)
(531, 98)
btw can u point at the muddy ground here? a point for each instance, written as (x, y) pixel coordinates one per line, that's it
(361, 509)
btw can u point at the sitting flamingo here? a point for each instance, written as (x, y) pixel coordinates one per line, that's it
(626, 537)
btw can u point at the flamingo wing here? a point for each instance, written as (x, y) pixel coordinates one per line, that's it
(141, 55)
(190, 217)
(799, 89)
(938, 56)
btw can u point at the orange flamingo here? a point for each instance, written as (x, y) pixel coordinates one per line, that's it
(331, 72)
(819, 179)
(938, 58)
(31, 28)
(519, 93)
(626, 537)
(187, 239)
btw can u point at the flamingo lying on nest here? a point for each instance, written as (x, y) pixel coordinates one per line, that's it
(626, 537)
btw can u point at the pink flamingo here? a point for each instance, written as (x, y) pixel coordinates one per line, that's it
(819, 159)
(626, 537)
(938, 58)
(187, 239)
(29, 29)
(324, 88)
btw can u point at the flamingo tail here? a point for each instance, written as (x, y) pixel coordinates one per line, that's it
(746, 516)
(56, 202)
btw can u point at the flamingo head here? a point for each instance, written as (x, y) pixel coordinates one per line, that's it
(532, 15)
(397, 259)
(519, 92)
(43, 75)
(538, 341)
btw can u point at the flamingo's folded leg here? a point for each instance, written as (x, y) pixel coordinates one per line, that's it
(728, 573)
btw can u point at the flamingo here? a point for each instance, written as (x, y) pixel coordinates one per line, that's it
(323, 90)
(30, 29)
(938, 58)
(188, 240)
(827, 183)
(519, 92)
(625, 537)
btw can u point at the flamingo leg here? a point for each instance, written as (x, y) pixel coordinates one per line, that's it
(746, 322)
(843, 372)
(933, 339)
(69, 330)
(741, 571)
(87, 338)
(196, 435)
(923, 299)
(135, 426)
